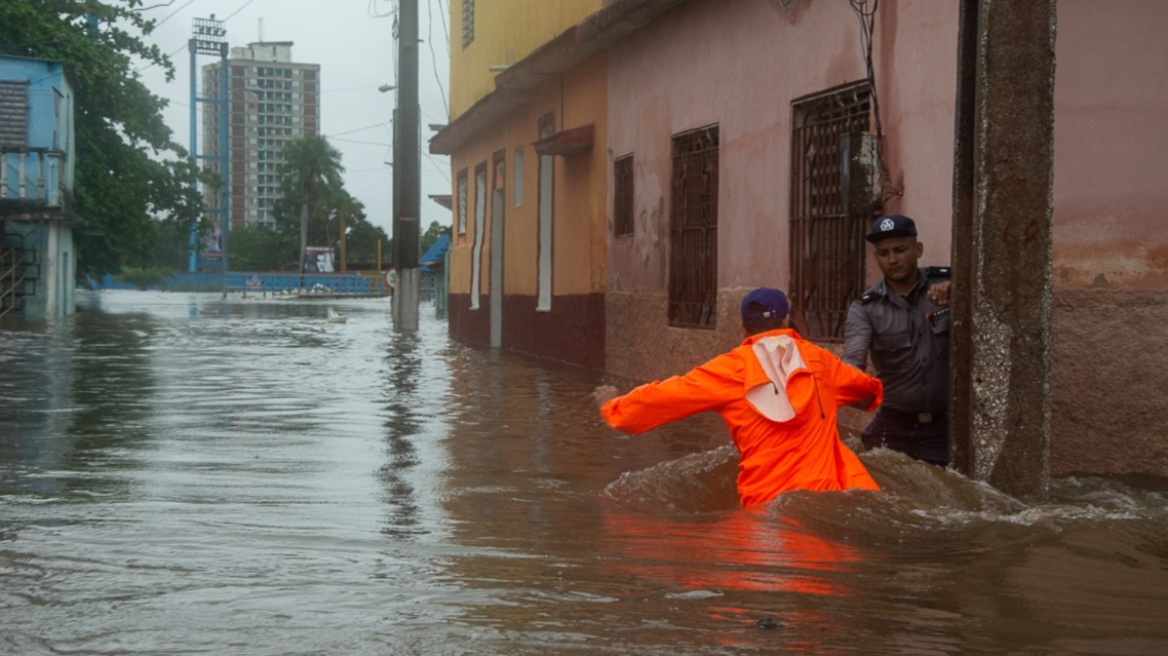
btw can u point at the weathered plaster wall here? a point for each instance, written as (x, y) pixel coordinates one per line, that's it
(1109, 355)
(1111, 140)
(1109, 412)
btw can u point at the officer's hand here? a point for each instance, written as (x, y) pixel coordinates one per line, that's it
(604, 394)
(939, 294)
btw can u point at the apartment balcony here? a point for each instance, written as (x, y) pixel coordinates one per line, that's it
(32, 180)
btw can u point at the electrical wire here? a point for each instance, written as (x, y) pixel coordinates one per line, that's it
(171, 14)
(867, 17)
(434, 57)
(367, 127)
(442, 167)
(445, 28)
(232, 14)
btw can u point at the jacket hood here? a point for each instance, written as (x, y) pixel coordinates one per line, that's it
(771, 360)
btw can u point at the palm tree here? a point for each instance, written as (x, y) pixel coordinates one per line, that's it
(312, 168)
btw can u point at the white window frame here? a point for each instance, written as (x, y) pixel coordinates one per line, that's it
(476, 263)
(517, 185)
(462, 199)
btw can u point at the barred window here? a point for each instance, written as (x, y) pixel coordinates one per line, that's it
(693, 231)
(827, 240)
(622, 202)
(468, 11)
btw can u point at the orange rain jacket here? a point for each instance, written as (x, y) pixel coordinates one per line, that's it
(799, 448)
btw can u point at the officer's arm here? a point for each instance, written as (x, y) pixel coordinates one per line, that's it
(857, 337)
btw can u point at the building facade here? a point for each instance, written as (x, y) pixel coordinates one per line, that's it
(271, 101)
(526, 141)
(729, 128)
(38, 263)
(752, 143)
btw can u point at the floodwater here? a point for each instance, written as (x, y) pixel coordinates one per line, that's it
(186, 474)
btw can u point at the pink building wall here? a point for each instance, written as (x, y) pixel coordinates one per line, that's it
(1111, 145)
(1109, 354)
(740, 65)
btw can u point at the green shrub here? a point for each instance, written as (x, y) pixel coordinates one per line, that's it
(144, 277)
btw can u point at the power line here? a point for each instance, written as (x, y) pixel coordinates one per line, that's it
(355, 141)
(445, 29)
(232, 14)
(441, 167)
(171, 14)
(433, 57)
(367, 127)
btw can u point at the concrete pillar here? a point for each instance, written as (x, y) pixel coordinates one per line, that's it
(1003, 175)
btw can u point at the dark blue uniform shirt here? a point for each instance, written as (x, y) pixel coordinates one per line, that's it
(909, 343)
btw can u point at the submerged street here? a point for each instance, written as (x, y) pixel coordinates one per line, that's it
(186, 474)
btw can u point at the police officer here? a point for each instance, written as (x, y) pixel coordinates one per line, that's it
(903, 321)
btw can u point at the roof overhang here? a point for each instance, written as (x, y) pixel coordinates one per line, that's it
(573, 141)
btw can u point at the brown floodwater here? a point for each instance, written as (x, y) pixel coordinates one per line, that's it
(186, 474)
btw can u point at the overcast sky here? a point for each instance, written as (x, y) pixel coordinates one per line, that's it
(353, 42)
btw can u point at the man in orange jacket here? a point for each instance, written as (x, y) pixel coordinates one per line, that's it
(778, 395)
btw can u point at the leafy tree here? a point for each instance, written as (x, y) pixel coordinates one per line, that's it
(362, 236)
(144, 277)
(129, 172)
(259, 248)
(310, 177)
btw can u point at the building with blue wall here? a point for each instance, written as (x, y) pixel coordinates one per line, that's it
(37, 153)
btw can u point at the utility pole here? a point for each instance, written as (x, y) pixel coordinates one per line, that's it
(999, 408)
(407, 184)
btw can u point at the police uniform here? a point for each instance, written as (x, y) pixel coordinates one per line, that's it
(908, 337)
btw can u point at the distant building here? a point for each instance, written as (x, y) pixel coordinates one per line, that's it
(38, 262)
(273, 101)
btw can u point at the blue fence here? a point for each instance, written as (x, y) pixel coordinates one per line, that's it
(355, 284)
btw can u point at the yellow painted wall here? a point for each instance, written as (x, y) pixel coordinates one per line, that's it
(505, 31)
(579, 191)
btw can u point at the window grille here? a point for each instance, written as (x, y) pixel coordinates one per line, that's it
(468, 11)
(622, 203)
(693, 232)
(827, 243)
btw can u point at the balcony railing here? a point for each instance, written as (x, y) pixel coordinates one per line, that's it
(33, 176)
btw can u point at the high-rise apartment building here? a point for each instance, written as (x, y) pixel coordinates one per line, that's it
(271, 101)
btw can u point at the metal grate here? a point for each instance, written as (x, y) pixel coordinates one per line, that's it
(827, 243)
(622, 202)
(468, 11)
(693, 233)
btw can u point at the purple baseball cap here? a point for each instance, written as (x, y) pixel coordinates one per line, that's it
(769, 303)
